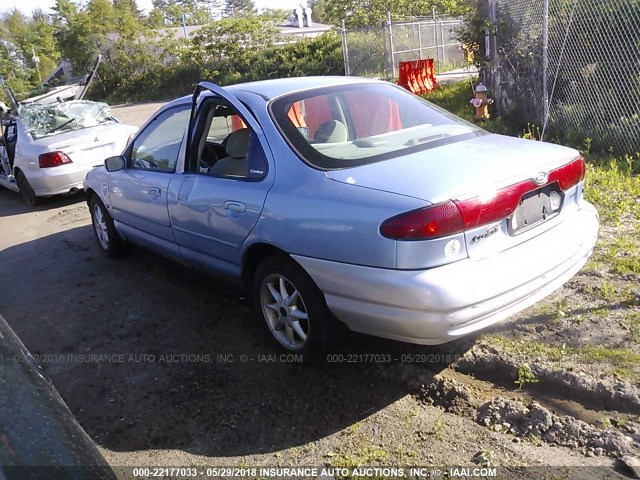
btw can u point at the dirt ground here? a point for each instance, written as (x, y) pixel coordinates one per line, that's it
(165, 366)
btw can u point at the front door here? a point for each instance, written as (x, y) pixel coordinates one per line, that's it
(139, 193)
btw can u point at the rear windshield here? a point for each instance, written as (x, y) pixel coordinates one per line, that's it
(45, 120)
(349, 125)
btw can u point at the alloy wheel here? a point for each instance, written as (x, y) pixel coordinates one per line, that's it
(284, 309)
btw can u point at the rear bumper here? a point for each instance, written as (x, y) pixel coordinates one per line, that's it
(57, 180)
(441, 304)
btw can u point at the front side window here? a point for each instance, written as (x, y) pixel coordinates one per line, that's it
(157, 147)
(350, 125)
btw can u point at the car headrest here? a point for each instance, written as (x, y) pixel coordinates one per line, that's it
(238, 143)
(332, 131)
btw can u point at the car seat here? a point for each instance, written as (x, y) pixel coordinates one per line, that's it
(235, 163)
(332, 131)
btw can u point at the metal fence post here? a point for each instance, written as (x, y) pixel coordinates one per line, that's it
(420, 39)
(545, 61)
(435, 39)
(493, 52)
(391, 48)
(345, 49)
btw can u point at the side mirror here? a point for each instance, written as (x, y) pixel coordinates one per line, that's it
(113, 164)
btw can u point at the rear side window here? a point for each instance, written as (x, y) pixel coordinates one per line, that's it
(356, 124)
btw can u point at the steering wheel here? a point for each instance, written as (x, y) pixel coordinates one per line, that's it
(211, 156)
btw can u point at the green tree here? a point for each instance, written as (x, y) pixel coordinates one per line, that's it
(363, 13)
(318, 13)
(240, 8)
(65, 12)
(231, 38)
(12, 69)
(128, 17)
(168, 13)
(278, 15)
(214, 8)
(30, 42)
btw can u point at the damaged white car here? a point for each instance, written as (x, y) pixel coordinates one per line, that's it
(47, 150)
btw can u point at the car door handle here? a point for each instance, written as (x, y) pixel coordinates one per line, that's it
(237, 207)
(154, 192)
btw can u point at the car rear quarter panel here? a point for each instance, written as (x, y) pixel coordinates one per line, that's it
(308, 214)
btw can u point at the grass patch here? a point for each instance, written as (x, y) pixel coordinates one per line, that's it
(586, 354)
(632, 322)
(622, 254)
(361, 457)
(455, 98)
(612, 186)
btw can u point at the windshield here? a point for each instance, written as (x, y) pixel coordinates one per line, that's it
(350, 125)
(45, 120)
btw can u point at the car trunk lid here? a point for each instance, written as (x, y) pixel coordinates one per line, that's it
(460, 169)
(90, 145)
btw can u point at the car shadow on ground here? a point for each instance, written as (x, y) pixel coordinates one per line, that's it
(149, 354)
(13, 204)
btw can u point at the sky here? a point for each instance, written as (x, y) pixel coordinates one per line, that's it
(27, 6)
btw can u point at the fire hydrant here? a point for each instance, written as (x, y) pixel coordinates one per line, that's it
(481, 102)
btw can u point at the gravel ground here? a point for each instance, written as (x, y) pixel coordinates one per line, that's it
(164, 366)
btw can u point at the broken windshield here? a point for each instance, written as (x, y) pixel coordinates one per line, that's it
(45, 120)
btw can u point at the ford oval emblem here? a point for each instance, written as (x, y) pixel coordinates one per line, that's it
(541, 178)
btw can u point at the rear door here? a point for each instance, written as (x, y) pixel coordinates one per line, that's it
(138, 194)
(215, 209)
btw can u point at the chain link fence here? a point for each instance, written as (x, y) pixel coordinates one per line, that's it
(376, 51)
(570, 66)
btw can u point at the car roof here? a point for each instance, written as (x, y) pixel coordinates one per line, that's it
(270, 89)
(274, 88)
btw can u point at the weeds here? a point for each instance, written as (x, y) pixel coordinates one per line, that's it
(525, 375)
(632, 322)
(586, 354)
(531, 132)
(484, 458)
(606, 291)
(561, 308)
(613, 190)
(439, 427)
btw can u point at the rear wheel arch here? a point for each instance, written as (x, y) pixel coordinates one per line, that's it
(254, 256)
(26, 190)
(294, 309)
(18, 171)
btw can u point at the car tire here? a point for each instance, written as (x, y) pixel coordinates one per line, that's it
(26, 190)
(294, 309)
(108, 238)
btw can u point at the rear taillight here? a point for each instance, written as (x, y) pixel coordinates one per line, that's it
(479, 211)
(435, 221)
(569, 175)
(53, 159)
(455, 216)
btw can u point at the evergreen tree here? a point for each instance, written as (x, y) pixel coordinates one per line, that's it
(240, 8)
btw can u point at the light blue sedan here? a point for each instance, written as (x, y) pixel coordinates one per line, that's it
(346, 201)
